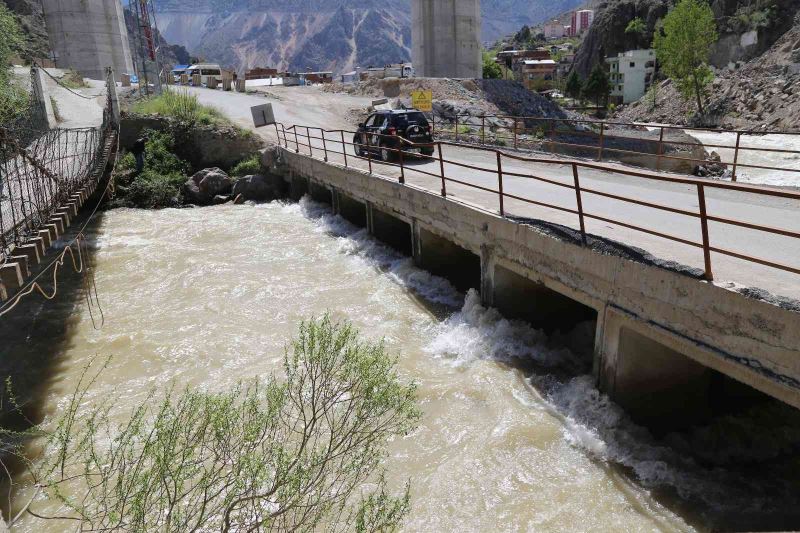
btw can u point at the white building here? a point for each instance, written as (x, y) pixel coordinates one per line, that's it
(554, 30)
(630, 74)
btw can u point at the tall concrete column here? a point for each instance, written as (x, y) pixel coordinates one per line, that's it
(445, 38)
(88, 36)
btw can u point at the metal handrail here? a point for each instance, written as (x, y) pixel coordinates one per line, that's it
(601, 147)
(700, 185)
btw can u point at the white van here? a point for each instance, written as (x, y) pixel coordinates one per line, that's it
(206, 70)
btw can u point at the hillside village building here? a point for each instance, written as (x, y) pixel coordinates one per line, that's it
(631, 74)
(581, 20)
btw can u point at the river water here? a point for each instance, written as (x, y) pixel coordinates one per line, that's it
(206, 297)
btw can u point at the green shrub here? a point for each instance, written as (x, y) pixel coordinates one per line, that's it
(182, 106)
(159, 184)
(304, 452)
(150, 190)
(14, 99)
(160, 154)
(73, 80)
(247, 166)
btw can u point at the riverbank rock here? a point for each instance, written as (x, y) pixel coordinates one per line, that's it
(205, 185)
(258, 188)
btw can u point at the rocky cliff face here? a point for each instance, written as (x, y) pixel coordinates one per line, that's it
(31, 20)
(320, 34)
(746, 29)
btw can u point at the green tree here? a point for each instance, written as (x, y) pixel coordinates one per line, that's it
(636, 27)
(597, 86)
(303, 453)
(491, 70)
(683, 46)
(13, 98)
(573, 86)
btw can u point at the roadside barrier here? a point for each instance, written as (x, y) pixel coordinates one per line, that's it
(299, 138)
(518, 131)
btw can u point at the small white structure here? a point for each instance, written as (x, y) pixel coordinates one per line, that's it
(631, 74)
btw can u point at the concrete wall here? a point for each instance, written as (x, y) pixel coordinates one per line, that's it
(660, 335)
(88, 36)
(202, 146)
(445, 38)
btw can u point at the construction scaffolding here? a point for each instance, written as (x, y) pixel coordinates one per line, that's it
(147, 43)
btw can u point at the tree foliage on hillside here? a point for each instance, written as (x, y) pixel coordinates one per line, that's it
(573, 86)
(597, 86)
(13, 99)
(300, 454)
(491, 70)
(683, 45)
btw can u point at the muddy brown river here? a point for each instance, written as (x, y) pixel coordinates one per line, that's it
(207, 297)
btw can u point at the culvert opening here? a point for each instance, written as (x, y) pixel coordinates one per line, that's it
(352, 210)
(447, 259)
(740, 441)
(320, 194)
(392, 231)
(518, 297)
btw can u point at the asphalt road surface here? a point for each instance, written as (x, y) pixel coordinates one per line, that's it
(309, 106)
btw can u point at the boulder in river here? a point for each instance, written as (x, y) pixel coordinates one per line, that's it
(258, 188)
(205, 185)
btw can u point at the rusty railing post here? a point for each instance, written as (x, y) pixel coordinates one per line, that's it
(483, 129)
(602, 138)
(660, 149)
(402, 166)
(433, 123)
(369, 153)
(308, 135)
(296, 141)
(579, 200)
(344, 149)
(552, 136)
(500, 182)
(456, 127)
(736, 155)
(701, 199)
(441, 169)
(324, 144)
(515, 133)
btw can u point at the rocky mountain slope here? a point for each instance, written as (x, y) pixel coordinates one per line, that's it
(746, 28)
(320, 34)
(763, 94)
(31, 21)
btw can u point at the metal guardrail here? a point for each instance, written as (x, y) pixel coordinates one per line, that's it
(302, 137)
(523, 130)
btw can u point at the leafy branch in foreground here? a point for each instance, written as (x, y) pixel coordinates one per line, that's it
(305, 453)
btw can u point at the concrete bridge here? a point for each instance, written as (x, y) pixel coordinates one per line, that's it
(670, 347)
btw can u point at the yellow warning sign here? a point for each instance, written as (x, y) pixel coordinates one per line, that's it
(422, 100)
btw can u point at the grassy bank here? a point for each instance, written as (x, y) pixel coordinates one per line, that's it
(182, 106)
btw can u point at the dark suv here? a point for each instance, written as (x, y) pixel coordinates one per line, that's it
(383, 130)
